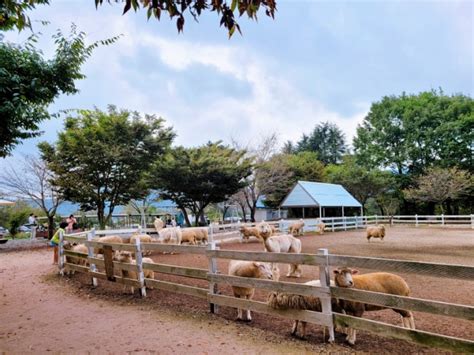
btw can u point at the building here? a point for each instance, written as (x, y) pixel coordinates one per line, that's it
(308, 199)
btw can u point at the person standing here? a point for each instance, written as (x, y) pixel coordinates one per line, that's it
(71, 222)
(54, 242)
(32, 220)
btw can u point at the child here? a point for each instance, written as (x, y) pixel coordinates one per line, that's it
(55, 241)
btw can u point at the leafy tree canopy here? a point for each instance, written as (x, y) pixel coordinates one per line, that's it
(29, 83)
(179, 8)
(196, 177)
(361, 182)
(439, 185)
(409, 133)
(101, 158)
(326, 139)
(12, 13)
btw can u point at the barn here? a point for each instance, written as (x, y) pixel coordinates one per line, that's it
(309, 199)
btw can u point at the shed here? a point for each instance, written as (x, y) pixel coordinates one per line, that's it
(317, 199)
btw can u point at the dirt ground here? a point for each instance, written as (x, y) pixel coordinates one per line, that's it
(41, 312)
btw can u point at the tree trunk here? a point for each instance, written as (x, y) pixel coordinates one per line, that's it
(100, 215)
(253, 209)
(50, 226)
(186, 217)
(243, 213)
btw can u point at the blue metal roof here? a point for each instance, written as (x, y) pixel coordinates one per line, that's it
(313, 194)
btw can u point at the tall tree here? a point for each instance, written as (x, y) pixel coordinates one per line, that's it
(31, 180)
(441, 186)
(409, 133)
(29, 83)
(360, 181)
(179, 8)
(101, 158)
(251, 193)
(327, 140)
(196, 177)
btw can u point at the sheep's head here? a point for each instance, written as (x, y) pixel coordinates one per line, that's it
(264, 229)
(343, 277)
(67, 245)
(264, 270)
(275, 272)
(124, 256)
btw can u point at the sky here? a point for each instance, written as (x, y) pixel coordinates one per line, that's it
(317, 61)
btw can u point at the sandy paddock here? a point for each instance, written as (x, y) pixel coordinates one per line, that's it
(107, 307)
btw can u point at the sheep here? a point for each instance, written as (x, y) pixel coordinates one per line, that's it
(249, 269)
(126, 257)
(321, 226)
(200, 234)
(376, 282)
(261, 231)
(376, 231)
(170, 235)
(159, 224)
(285, 243)
(144, 238)
(248, 232)
(284, 300)
(107, 239)
(76, 260)
(296, 228)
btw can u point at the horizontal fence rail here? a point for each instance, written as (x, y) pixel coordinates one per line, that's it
(428, 269)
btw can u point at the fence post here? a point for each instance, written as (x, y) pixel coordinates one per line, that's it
(345, 222)
(332, 224)
(280, 225)
(33, 232)
(90, 253)
(139, 262)
(416, 220)
(212, 270)
(442, 219)
(376, 220)
(472, 221)
(324, 277)
(61, 253)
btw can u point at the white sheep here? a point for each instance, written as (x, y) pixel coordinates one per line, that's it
(376, 231)
(249, 269)
(376, 282)
(285, 243)
(170, 235)
(126, 257)
(321, 226)
(296, 228)
(158, 223)
(200, 234)
(284, 301)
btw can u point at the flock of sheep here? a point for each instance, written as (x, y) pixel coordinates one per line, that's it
(273, 242)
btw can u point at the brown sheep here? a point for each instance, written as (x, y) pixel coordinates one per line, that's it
(107, 239)
(248, 232)
(284, 300)
(126, 257)
(376, 231)
(200, 234)
(296, 228)
(144, 238)
(77, 248)
(248, 269)
(376, 282)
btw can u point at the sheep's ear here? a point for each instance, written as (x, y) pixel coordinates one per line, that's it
(354, 271)
(336, 272)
